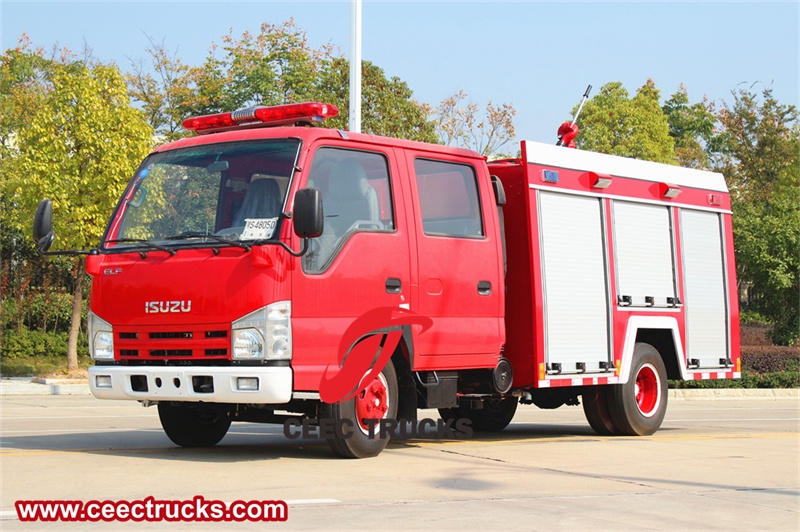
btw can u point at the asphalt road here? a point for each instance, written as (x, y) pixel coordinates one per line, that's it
(731, 465)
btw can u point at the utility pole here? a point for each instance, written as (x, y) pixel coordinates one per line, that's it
(355, 66)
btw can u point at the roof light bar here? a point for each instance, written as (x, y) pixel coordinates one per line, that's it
(279, 115)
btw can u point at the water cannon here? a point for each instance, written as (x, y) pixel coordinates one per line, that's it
(569, 130)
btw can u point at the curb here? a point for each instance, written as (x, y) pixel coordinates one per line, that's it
(725, 394)
(27, 386)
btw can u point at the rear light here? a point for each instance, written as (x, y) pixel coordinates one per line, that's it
(279, 115)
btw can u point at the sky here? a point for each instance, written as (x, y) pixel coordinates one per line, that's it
(537, 56)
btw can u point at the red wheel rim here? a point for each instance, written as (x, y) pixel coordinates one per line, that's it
(372, 403)
(648, 390)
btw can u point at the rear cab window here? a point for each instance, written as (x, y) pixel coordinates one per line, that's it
(449, 200)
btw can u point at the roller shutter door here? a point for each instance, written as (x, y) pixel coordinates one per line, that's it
(704, 277)
(574, 280)
(643, 250)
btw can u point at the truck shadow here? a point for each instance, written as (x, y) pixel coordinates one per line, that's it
(239, 445)
(257, 442)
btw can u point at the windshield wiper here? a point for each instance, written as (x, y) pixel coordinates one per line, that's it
(217, 238)
(147, 243)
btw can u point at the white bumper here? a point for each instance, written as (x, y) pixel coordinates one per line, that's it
(176, 384)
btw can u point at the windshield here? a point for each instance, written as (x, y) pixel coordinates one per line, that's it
(210, 194)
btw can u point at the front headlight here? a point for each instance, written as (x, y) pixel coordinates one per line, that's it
(101, 338)
(265, 334)
(248, 344)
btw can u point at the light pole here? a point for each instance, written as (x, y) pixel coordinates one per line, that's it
(355, 66)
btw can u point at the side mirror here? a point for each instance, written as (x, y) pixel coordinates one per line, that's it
(309, 219)
(43, 226)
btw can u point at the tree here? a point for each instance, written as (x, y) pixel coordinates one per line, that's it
(24, 82)
(80, 147)
(462, 125)
(275, 66)
(162, 91)
(759, 153)
(611, 122)
(272, 67)
(692, 128)
(387, 105)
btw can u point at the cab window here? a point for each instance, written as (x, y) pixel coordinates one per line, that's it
(448, 195)
(356, 197)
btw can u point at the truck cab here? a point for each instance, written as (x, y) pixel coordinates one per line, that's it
(199, 302)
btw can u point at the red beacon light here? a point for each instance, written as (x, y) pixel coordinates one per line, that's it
(278, 115)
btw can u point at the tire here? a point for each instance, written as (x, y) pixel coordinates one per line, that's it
(495, 415)
(595, 407)
(637, 407)
(377, 401)
(192, 424)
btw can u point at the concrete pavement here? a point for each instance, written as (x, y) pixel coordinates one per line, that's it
(39, 386)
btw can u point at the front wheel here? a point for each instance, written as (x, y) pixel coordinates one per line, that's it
(362, 414)
(637, 407)
(495, 415)
(193, 425)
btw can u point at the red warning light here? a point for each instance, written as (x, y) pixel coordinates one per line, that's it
(279, 115)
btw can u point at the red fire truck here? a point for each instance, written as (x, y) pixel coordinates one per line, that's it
(244, 267)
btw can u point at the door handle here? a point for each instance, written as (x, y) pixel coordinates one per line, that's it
(393, 285)
(484, 288)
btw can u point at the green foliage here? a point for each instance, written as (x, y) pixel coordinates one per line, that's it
(760, 155)
(26, 343)
(160, 91)
(750, 316)
(272, 67)
(612, 122)
(387, 106)
(71, 136)
(758, 143)
(79, 148)
(48, 309)
(692, 128)
(275, 66)
(31, 353)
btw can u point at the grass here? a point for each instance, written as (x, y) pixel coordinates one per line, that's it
(49, 366)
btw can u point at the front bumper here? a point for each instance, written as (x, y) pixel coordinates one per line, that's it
(142, 383)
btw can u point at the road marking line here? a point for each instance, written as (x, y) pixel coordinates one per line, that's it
(80, 431)
(28, 418)
(312, 501)
(595, 438)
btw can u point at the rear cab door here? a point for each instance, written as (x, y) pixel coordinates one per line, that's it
(459, 263)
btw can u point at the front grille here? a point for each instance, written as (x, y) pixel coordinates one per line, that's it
(172, 353)
(162, 342)
(169, 335)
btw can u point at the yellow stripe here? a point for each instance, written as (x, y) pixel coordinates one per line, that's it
(576, 439)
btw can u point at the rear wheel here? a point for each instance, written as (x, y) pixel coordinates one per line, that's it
(377, 401)
(193, 425)
(595, 407)
(495, 415)
(637, 407)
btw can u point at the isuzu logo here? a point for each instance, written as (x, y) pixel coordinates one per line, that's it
(156, 307)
